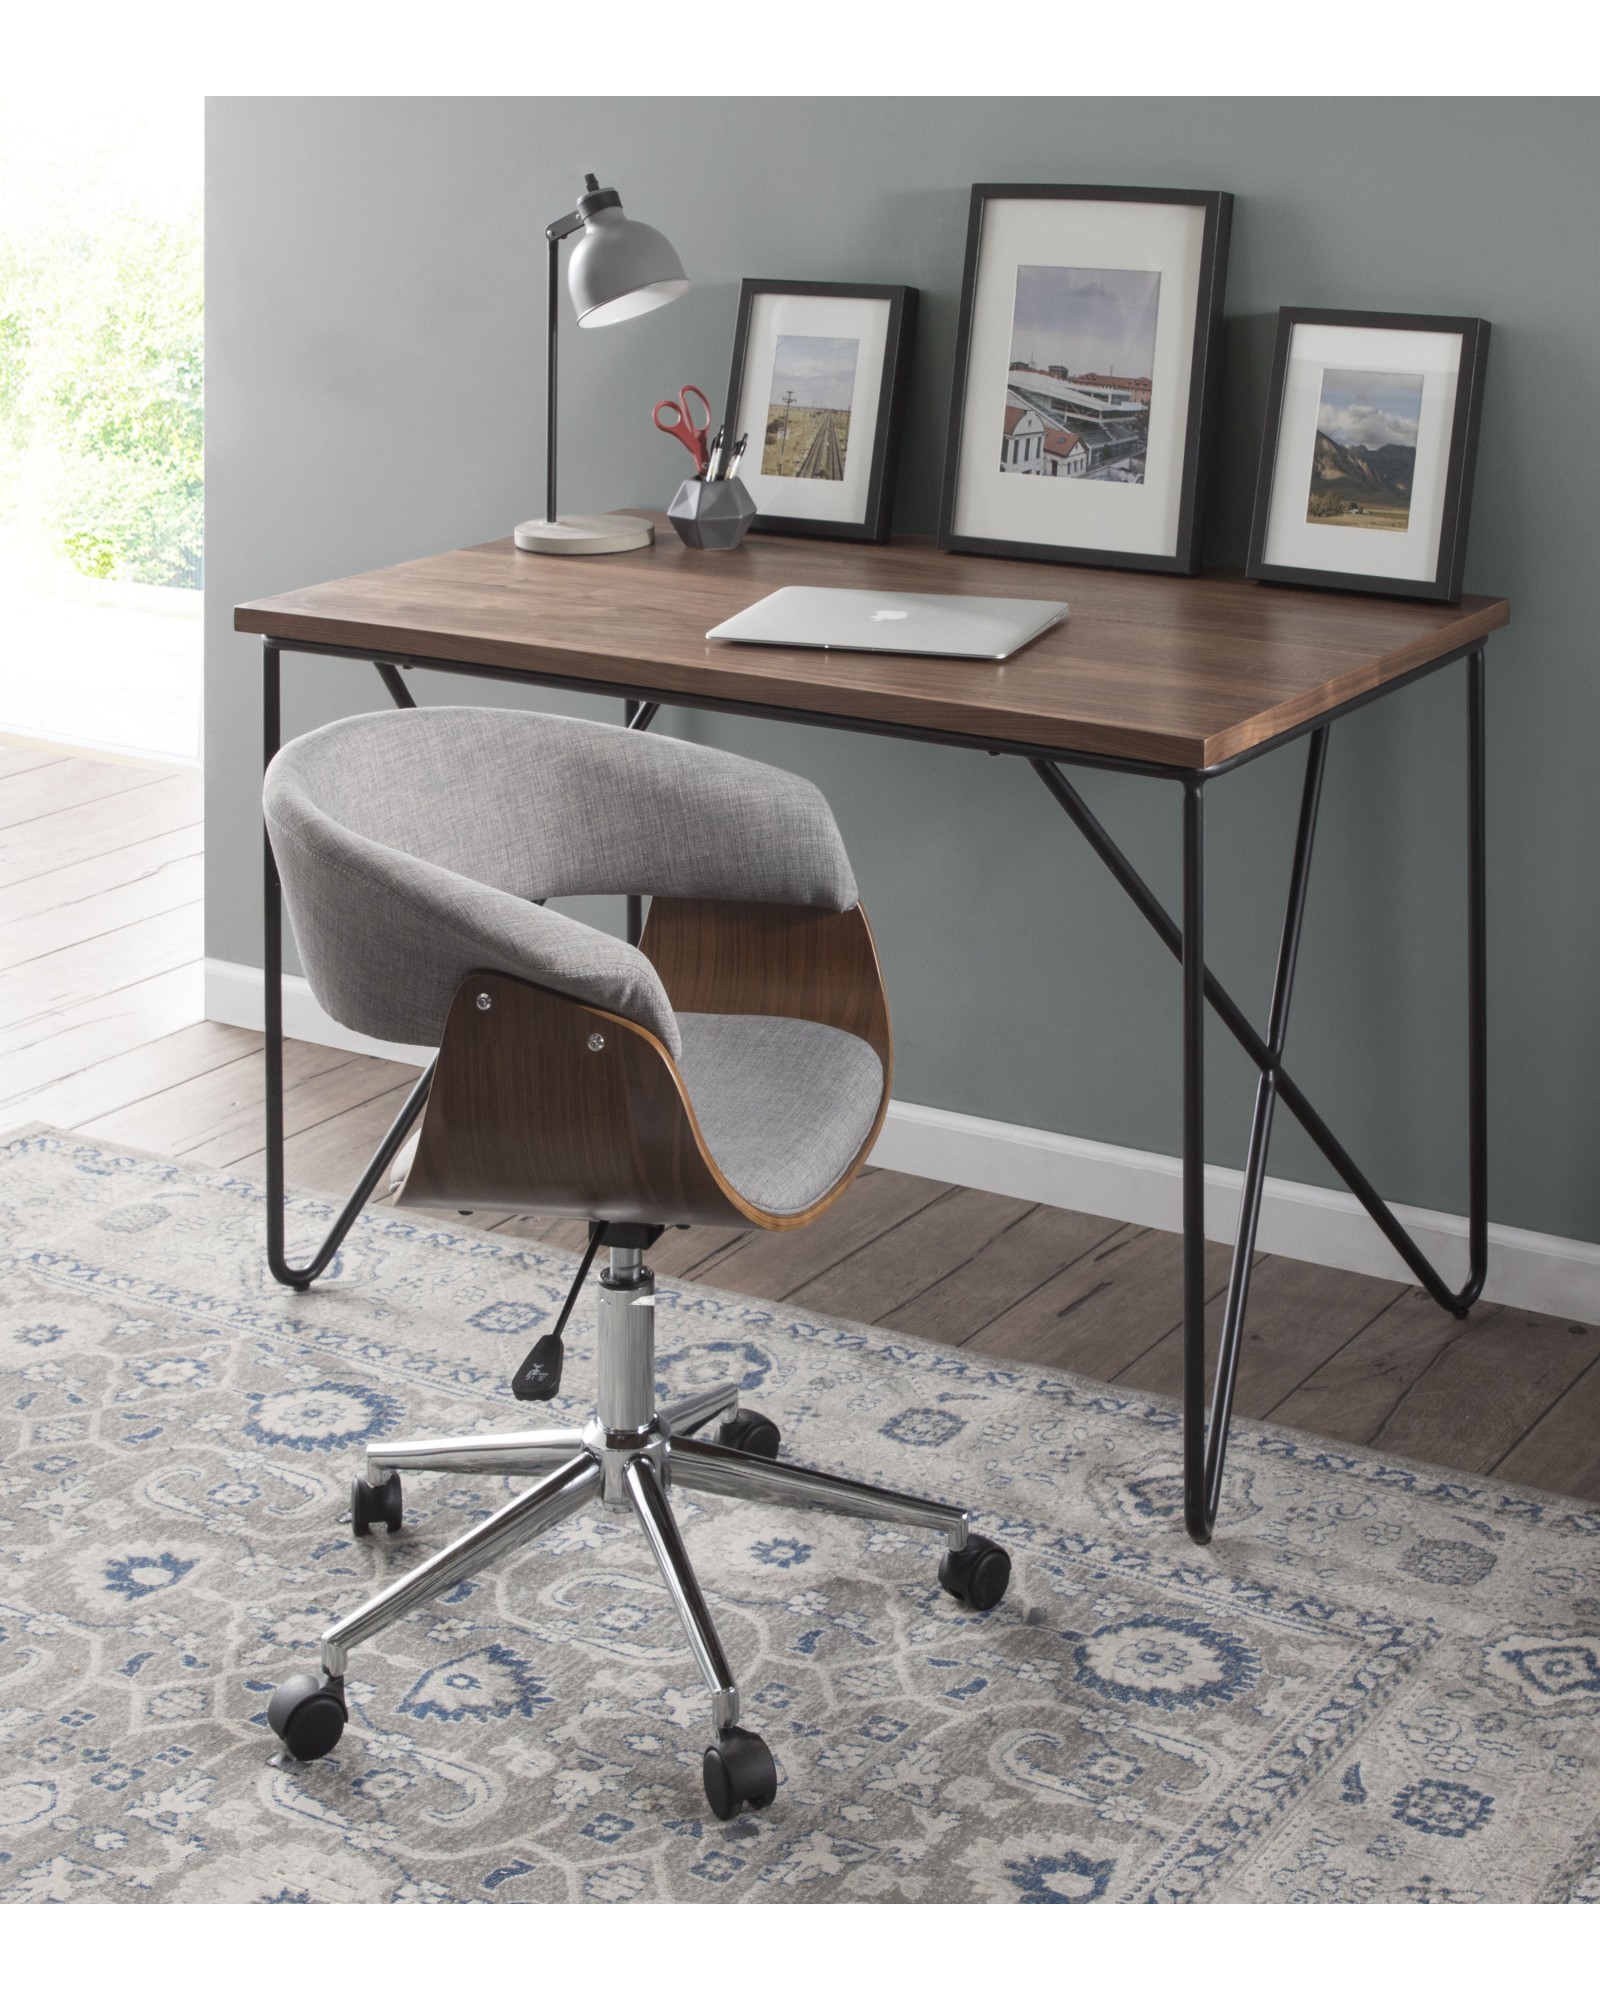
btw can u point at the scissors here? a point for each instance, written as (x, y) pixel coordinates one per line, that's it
(692, 438)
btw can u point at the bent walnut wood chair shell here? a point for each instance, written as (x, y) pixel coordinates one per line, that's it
(772, 958)
(544, 1104)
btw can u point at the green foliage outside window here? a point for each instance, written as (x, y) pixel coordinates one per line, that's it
(101, 404)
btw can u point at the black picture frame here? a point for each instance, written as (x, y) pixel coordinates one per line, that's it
(877, 517)
(1204, 374)
(1446, 585)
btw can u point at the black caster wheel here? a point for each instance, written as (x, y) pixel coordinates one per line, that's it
(371, 1504)
(977, 1574)
(739, 1773)
(750, 1431)
(308, 1715)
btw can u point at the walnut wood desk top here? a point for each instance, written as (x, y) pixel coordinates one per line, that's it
(1182, 671)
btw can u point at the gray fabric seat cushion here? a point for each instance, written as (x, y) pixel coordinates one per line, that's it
(416, 846)
(784, 1105)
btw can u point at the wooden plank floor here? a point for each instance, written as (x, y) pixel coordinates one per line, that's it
(101, 1032)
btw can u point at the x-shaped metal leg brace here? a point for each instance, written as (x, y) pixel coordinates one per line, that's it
(1205, 1445)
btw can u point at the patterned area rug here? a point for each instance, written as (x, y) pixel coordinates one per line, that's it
(1380, 1683)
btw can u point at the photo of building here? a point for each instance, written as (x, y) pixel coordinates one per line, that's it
(1033, 445)
(1022, 447)
(1083, 346)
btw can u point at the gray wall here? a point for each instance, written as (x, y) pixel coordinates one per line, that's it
(374, 284)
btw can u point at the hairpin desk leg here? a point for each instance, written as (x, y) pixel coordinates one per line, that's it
(1477, 984)
(399, 693)
(638, 715)
(1255, 1167)
(302, 1276)
(1194, 1161)
(1205, 1445)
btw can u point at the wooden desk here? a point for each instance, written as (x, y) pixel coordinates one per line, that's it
(1191, 672)
(1168, 677)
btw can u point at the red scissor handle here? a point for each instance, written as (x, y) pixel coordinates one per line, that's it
(680, 424)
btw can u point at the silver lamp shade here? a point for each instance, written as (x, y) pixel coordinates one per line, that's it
(619, 269)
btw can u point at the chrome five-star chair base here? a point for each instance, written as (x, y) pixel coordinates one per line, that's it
(630, 1455)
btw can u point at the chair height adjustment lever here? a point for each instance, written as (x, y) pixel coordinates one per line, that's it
(538, 1380)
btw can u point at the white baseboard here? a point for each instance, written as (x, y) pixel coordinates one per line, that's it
(236, 996)
(1539, 1273)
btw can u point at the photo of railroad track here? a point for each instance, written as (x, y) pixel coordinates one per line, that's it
(808, 408)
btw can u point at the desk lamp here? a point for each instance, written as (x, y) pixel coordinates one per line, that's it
(617, 270)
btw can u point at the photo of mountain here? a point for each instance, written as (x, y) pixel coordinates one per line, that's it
(1365, 456)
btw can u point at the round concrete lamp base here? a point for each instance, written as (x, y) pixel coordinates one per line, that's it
(585, 535)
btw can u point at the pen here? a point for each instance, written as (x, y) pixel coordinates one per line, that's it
(735, 457)
(710, 472)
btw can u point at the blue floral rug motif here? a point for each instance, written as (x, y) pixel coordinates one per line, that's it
(1381, 1683)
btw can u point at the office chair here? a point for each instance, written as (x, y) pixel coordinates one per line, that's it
(733, 1068)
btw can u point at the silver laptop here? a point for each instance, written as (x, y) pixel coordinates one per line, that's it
(893, 621)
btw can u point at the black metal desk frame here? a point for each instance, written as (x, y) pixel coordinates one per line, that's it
(1204, 1443)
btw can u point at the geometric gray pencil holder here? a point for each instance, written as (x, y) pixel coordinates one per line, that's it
(712, 514)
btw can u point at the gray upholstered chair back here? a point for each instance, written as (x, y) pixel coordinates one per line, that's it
(416, 845)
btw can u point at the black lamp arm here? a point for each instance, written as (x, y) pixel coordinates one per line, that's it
(593, 199)
(554, 295)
